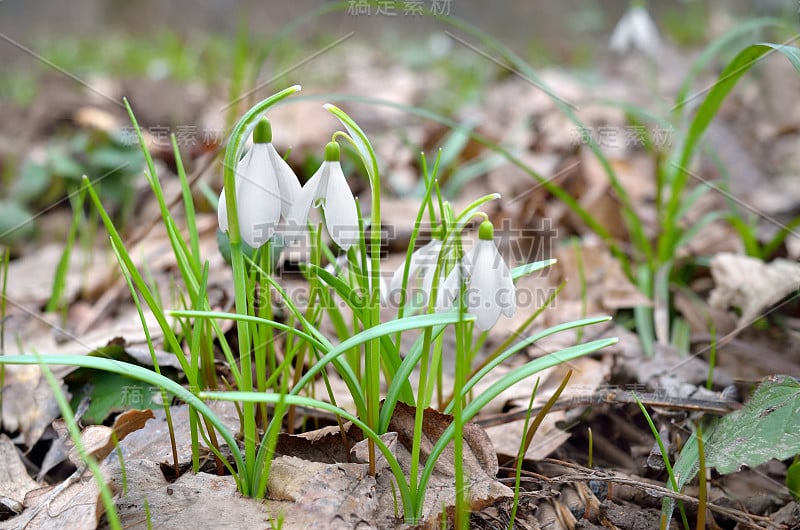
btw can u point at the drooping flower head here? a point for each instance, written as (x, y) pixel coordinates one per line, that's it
(490, 289)
(328, 189)
(421, 266)
(266, 189)
(341, 268)
(636, 30)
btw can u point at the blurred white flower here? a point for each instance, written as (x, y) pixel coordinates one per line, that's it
(328, 189)
(266, 188)
(422, 266)
(490, 289)
(636, 30)
(341, 269)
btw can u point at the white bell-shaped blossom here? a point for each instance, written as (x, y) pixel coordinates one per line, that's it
(490, 289)
(341, 269)
(266, 189)
(421, 266)
(328, 189)
(636, 30)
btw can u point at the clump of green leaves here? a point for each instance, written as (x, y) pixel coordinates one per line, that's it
(110, 161)
(366, 352)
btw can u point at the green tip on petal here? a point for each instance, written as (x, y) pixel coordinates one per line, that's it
(332, 152)
(263, 132)
(486, 231)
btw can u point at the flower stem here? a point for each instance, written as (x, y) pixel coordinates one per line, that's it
(372, 360)
(245, 383)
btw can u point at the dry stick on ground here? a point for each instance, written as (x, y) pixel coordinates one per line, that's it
(31, 514)
(612, 396)
(61, 488)
(585, 474)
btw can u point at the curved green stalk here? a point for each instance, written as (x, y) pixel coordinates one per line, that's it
(232, 154)
(373, 348)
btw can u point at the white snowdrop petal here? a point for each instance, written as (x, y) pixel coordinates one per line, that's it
(413, 268)
(427, 283)
(431, 260)
(222, 212)
(257, 197)
(423, 262)
(621, 36)
(635, 30)
(647, 34)
(485, 317)
(384, 291)
(305, 199)
(506, 292)
(397, 277)
(288, 184)
(341, 216)
(483, 285)
(492, 290)
(448, 290)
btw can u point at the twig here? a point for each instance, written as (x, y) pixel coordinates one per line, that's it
(586, 474)
(614, 396)
(30, 515)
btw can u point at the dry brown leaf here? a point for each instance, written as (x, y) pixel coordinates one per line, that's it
(479, 460)
(750, 284)
(28, 403)
(606, 286)
(96, 118)
(479, 454)
(32, 332)
(397, 216)
(669, 371)
(77, 506)
(303, 126)
(58, 451)
(698, 314)
(99, 440)
(32, 275)
(344, 495)
(322, 445)
(199, 502)
(15, 482)
(515, 185)
(152, 441)
(593, 191)
(360, 451)
(314, 494)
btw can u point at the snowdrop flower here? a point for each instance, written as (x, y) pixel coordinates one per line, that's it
(341, 269)
(490, 289)
(327, 188)
(422, 265)
(266, 188)
(636, 30)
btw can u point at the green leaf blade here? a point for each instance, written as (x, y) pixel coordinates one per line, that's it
(767, 427)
